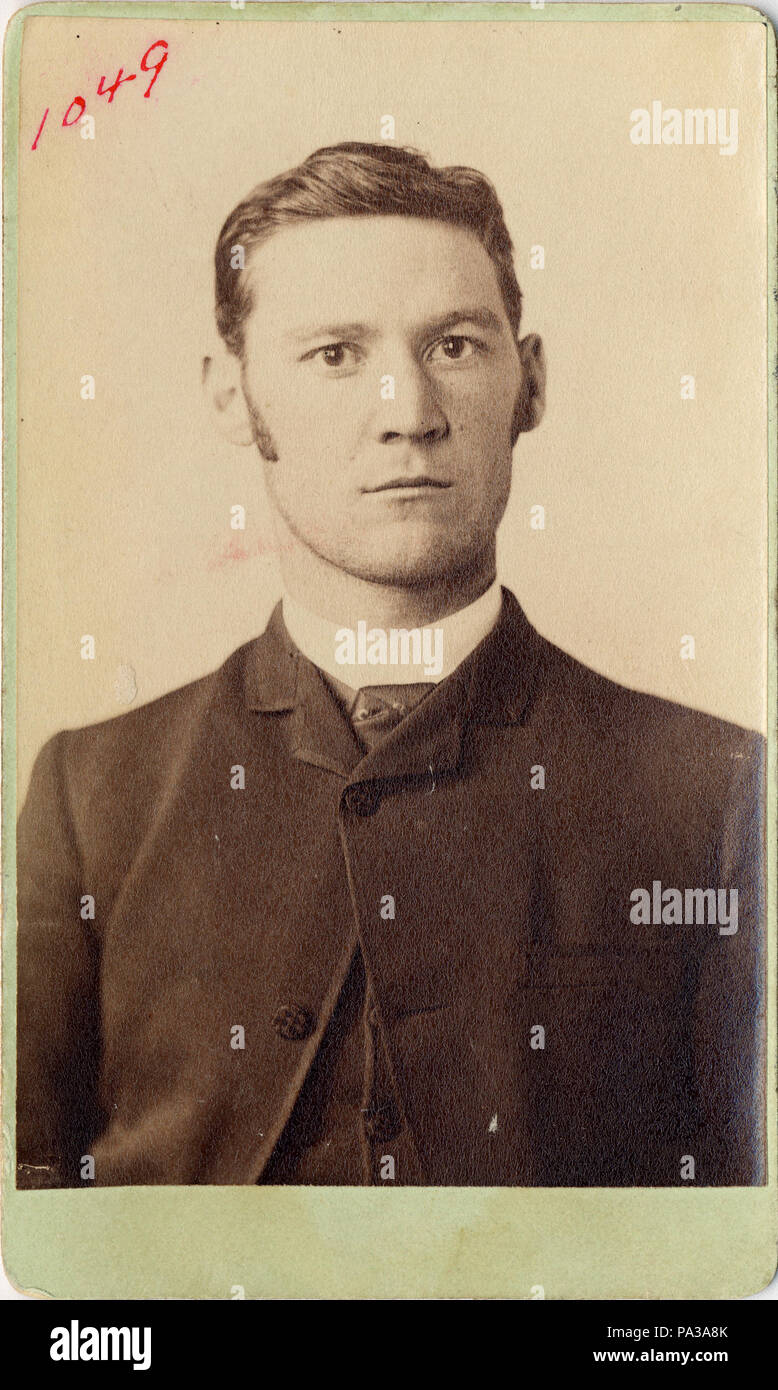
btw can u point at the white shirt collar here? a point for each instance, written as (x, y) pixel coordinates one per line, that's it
(378, 656)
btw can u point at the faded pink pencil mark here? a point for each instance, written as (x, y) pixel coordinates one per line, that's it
(236, 550)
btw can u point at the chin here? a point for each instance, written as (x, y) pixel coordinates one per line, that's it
(430, 568)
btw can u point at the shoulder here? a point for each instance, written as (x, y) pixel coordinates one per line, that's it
(625, 725)
(152, 736)
(560, 690)
(627, 713)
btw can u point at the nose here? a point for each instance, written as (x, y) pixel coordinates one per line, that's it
(415, 412)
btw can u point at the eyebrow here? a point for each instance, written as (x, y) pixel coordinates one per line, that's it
(332, 330)
(477, 314)
(481, 316)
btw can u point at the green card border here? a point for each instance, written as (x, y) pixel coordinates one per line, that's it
(335, 1243)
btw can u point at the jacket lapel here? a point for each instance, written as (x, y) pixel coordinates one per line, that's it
(279, 679)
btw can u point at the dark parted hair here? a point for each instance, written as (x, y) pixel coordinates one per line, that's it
(360, 180)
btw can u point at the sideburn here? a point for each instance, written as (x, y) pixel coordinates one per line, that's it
(262, 436)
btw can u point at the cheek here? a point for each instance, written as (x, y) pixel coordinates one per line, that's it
(312, 423)
(485, 406)
(482, 426)
(482, 423)
(312, 451)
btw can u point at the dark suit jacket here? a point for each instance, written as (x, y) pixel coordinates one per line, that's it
(218, 906)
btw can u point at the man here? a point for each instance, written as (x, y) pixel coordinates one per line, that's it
(401, 893)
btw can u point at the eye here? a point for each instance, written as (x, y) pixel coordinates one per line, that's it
(455, 348)
(334, 355)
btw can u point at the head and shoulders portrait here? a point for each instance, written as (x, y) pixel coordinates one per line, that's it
(402, 891)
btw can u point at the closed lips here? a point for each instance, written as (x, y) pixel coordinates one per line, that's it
(408, 482)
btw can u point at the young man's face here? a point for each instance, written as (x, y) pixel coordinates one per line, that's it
(404, 488)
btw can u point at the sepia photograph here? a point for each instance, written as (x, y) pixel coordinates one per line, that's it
(391, 606)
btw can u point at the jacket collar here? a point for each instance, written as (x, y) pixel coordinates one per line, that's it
(494, 685)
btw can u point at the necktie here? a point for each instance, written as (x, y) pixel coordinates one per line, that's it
(378, 709)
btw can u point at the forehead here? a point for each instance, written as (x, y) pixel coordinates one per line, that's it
(368, 269)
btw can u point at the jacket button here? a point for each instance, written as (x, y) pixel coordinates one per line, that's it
(293, 1022)
(382, 1123)
(363, 799)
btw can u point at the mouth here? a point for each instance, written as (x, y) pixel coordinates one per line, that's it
(422, 483)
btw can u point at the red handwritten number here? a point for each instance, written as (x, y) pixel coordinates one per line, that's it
(156, 68)
(110, 92)
(40, 128)
(82, 104)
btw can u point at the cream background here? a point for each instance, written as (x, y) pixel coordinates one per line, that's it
(656, 507)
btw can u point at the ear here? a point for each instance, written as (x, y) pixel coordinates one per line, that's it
(531, 401)
(222, 385)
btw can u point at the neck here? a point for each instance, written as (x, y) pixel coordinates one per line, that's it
(341, 597)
